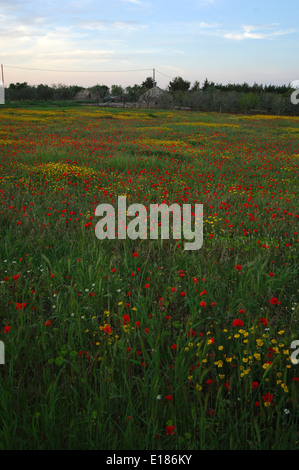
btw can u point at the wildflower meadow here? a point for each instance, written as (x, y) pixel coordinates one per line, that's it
(139, 344)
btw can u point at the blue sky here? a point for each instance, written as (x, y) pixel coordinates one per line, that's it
(85, 42)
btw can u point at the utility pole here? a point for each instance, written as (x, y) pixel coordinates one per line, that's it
(2, 88)
(154, 78)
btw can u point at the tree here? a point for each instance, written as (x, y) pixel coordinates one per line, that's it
(116, 90)
(134, 92)
(18, 85)
(148, 83)
(195, 86)
(178, 84)
(99, 91)
(247, 101)
(44, 92)
(207, 85)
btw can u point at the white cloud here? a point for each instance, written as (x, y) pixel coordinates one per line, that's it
(256, 32)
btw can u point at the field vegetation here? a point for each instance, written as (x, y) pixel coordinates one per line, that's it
(140, 344)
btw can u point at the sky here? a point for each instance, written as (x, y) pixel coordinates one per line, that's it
(121, 42)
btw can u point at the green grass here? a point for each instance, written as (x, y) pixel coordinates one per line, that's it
(71, 383)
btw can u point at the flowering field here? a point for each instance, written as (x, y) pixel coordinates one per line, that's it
(140, 344)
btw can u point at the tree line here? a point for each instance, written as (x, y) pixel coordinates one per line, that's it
(208, 96)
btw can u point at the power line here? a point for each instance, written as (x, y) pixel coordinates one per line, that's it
(75, 71)
(164, 74)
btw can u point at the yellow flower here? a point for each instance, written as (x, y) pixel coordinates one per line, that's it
(257, 356)
(198, 387)
(220, 348)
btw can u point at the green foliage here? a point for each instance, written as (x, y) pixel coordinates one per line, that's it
(178, 84)
(185, 378)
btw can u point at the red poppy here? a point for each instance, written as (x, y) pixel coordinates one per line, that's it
(174, 347)
(239, 267)
(169, 398)
(20, 305)
(107, 329)
(268, 397)
(227, 385)
(126, 319)
(170, 430)
(264, 321)
(273, 301)
(238, 322)
(203, 304)
(191, 333)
